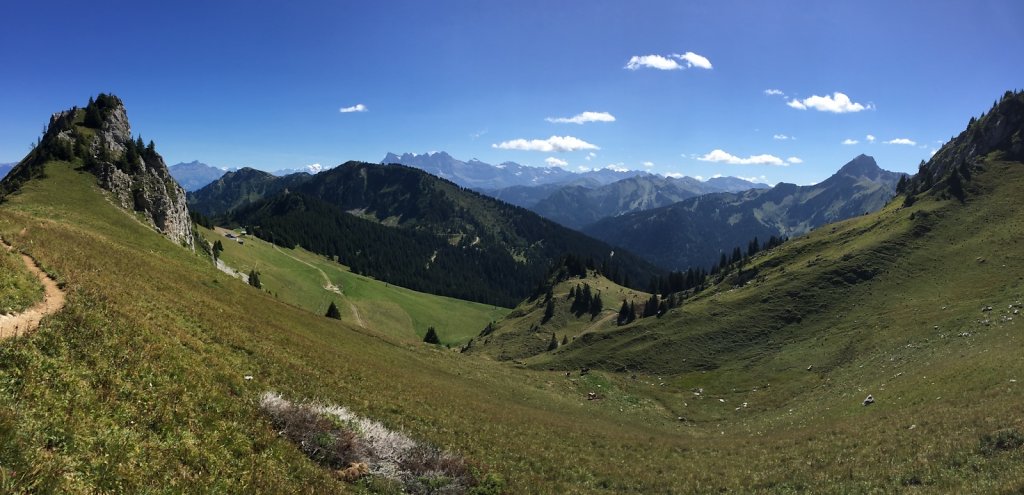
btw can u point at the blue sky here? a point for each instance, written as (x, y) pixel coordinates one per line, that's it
(263, 83)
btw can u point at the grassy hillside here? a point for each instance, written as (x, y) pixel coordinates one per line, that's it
(139, 381)
(525, 332)
(299, 277)
(18, 288)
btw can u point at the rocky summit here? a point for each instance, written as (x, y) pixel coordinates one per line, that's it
(100, 137)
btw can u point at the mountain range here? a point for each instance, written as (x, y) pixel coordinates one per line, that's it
(570, 198)
(476, 174)
(405, 226)
(697, 231)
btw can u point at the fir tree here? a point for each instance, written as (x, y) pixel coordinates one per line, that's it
(254, 279)
(431, 337)
(596, 305)
(565, 340)
(549, 311)
(553, 343)
(623, 313)
(332, 311)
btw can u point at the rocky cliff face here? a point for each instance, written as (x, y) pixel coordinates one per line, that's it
(99, 136)
(145, 184)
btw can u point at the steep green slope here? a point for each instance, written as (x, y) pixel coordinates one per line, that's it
(139, 381)
(526, 331)
(406, 227)
(304, 279)
(238, 189)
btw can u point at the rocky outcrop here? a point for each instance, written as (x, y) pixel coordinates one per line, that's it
(99, 136)
(1000, 130)
(140, 182)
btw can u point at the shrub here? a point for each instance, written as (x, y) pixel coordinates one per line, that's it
(318, 437)
(1002, 440)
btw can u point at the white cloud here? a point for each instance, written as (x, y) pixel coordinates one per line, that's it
(551, 144)
(724, 157)
(850, 141)
(583, 118)
(837, 103)
(794, 160)
(773, 92)
(781, 137)
(648, 164)
(555, 162)
(653, 62)
(581, 168)
(671, 62)
(754, 179)
(358, 107)
(616, 167)
(314, 168)
(591, 156)
(905, 141)
(870, 138)
(694, 60)
(934, 152)
(677, 175)
(796, 104)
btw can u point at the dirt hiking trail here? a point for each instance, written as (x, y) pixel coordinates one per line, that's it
(17, 324)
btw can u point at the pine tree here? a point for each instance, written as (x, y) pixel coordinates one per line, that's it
(217, 249)
(596, 305)
(549, 311)
(332, 311)
(553, 343)
(254, 279)
(431, 337)
(623, 313)
(565, 340)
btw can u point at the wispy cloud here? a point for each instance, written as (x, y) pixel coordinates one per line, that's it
(648, 164)
(870, 138)
(908, 142)
(679, 175)
(583, 118)
(478, 134)
(720, 156)
(837, 103)
(591, 156)
(551, 144)
(849, 141)
(773, 92)
(358, 107)
(781, 137)
(670, 62)
(555, 162)
(794, 160)
(581, 168)
(616, 167)
(754, 179)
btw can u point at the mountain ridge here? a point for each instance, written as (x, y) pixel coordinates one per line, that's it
(696, 231)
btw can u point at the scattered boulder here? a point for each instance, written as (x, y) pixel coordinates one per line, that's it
(810, 367)
(870, 399)
(591, 395)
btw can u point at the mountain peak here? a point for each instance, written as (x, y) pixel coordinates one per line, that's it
(98, 138)
(861, 166)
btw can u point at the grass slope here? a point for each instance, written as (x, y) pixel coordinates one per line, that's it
(18, 288)
(138, 382)
(524, 333)
(297, 276)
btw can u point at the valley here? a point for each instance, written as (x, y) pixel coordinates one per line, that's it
(669, 248)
